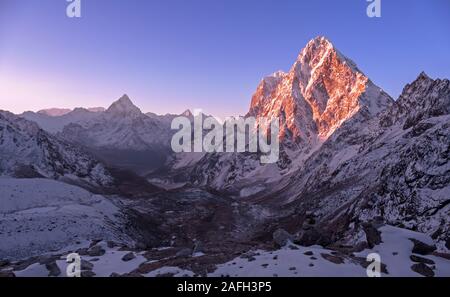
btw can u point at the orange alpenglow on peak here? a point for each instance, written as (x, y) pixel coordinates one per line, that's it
(321, 90)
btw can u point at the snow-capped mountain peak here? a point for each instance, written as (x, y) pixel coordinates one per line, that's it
(124, 106)
(420, 84)
(322, 90)
(318, 50)
(423, 98)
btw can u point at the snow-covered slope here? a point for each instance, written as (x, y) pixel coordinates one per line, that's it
(28, 151)
(55, 122)
(40, 215)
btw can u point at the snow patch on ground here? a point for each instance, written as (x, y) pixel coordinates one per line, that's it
(175, 271)
(395, 252)
(40, 215)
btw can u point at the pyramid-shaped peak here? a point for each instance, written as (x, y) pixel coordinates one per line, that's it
(321, 49)
(124, 106)
(423, 76)
(422, 80)
(125, 99)
(322, 90)
(420, 84)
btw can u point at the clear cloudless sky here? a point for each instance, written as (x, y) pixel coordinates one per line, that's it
(170, 55)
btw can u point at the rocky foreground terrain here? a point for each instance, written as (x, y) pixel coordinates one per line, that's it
(403, 253)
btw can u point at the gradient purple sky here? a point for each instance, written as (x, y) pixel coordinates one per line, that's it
(170, 55)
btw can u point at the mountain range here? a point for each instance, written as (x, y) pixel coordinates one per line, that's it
(352, 161)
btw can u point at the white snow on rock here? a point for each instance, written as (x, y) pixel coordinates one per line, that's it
(28, 151)
(55, 123)
(396, 249)
(395, 252)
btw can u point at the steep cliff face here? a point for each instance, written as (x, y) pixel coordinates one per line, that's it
(322, 90)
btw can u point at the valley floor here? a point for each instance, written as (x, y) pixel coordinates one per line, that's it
(396, 254)
(42, 221)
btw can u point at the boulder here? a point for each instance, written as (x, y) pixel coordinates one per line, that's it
(87, 273)
(418, 259)
(82, 252)
(86, 265)
(422, 248)
(422, 269)
(94, 242)
(128, 257)
(111, 244)
(281, 237)
(373, 236)
(332, 259)
(184, 253)
(53, 269)
(96, 251)
(312, 237)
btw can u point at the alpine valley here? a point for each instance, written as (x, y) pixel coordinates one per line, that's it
(358, 173)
